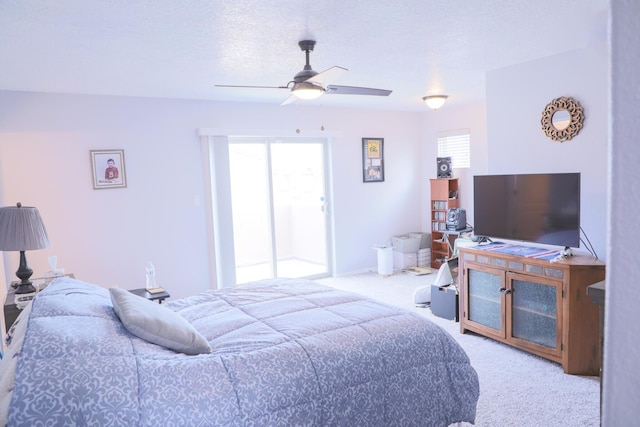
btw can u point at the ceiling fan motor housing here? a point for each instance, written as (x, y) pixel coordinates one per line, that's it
(306, 73)
(307, 45)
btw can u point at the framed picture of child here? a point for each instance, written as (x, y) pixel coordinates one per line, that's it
(108, 169)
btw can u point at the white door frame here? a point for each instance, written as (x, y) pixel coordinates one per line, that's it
(215, 163)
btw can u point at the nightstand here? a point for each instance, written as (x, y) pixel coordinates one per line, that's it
(142, 292)
(15, 303)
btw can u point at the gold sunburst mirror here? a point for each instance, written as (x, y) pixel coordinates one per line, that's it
(562, 119)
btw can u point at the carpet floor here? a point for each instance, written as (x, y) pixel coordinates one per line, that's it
(516, 388)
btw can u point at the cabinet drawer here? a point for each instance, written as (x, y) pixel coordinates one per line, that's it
(532, 267)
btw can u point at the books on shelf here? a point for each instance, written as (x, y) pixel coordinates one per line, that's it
(439, 205)
(438, 226)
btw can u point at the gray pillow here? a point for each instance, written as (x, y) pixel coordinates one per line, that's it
(157, 324)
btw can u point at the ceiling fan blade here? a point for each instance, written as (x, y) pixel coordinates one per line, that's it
(327, 76)
(255, 87)
(289, 100)
(354, 90)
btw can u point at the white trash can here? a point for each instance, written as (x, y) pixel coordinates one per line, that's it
(385, 260)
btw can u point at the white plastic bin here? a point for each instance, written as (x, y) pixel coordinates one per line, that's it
(385, 260)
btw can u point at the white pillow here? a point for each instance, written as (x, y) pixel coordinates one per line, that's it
(157, 324)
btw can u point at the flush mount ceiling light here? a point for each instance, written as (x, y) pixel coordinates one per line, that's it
(307, 90)
(435, 101)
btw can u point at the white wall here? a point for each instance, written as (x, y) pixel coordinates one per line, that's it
(367, 214)
(472, 117)
(106, 236)
(516, 97)
(622, 346)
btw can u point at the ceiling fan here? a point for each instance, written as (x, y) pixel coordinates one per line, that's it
(309, 84)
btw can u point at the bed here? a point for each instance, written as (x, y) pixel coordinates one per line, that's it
(279, 352)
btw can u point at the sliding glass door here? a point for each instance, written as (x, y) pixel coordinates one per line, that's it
(279, 207)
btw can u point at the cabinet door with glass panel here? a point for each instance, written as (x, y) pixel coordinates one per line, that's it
(534, 313)
(484, 308)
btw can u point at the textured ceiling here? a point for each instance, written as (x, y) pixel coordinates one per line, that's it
(181, 49)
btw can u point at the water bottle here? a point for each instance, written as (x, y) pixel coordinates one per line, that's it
(151, 275)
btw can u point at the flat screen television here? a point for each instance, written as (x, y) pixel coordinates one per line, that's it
(540, 208)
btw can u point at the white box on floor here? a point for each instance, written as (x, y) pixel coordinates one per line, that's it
(403, 260)
(425, 239)
(424, 262)
(424, 257)
(406, 243)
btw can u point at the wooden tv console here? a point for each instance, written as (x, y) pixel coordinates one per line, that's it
(533, 304)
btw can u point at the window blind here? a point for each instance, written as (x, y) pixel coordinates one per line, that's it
(457, 145)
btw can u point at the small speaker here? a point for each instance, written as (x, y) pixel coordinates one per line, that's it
(444, 167)
(456, 219)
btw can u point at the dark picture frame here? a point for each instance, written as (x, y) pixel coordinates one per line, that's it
(107, 168)
(372, 159)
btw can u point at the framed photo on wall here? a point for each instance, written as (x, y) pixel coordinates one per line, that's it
(108, 169)
(372, 159)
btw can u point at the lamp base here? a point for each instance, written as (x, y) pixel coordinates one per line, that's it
(25, 288)
(24, 273)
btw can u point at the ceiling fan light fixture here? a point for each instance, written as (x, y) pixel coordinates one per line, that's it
(435, 101)
(307, 90)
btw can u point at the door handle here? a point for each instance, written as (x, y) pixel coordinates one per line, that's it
(324, 206)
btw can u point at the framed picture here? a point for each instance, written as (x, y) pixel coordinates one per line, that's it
(372, 159)
(108, 169)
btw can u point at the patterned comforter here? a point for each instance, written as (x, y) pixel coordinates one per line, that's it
(285, 353)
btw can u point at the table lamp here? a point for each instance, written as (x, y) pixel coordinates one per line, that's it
(21, 229)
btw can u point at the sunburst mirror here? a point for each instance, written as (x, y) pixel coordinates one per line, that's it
(562, 119)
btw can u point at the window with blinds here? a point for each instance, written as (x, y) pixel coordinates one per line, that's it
(457, 145)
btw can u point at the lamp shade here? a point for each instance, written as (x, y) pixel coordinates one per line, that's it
(307, 90)
(435, 101)
(22, 229)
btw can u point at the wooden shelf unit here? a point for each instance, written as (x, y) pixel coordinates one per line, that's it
(444, 195)
(535, 305)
